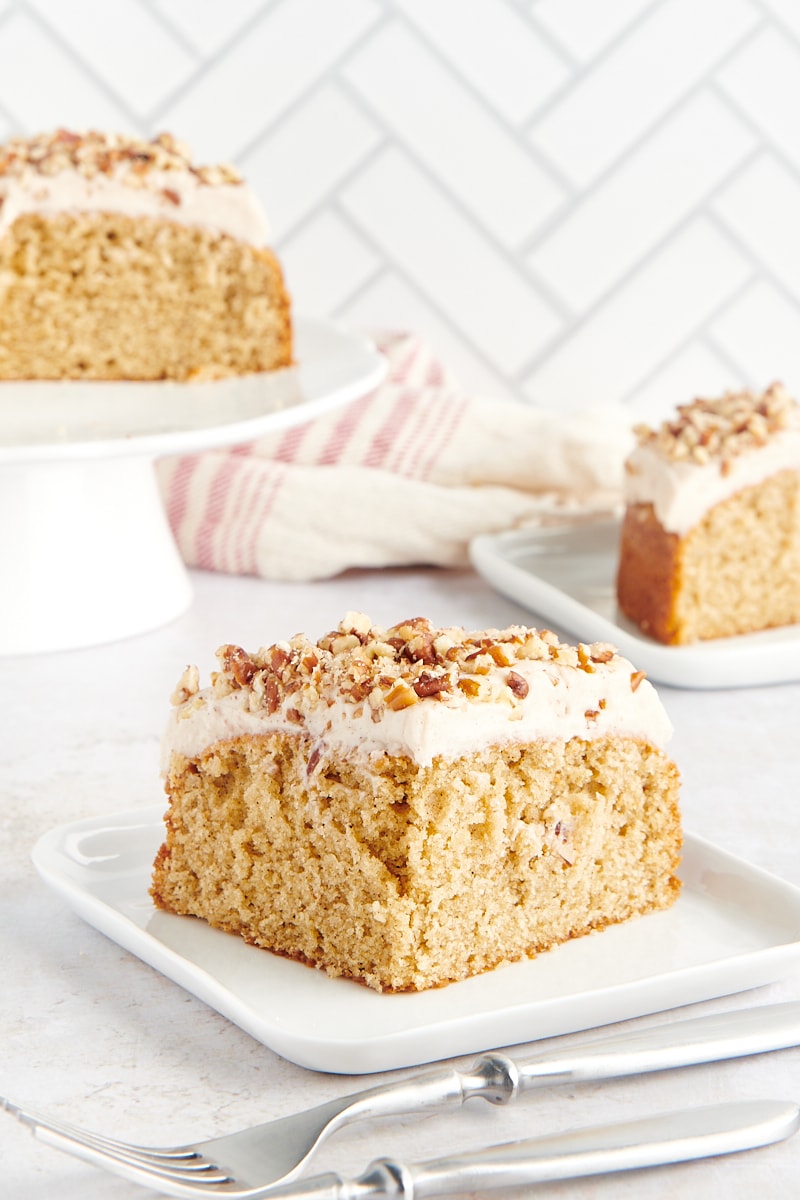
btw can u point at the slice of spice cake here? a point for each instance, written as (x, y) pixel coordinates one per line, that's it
(710, 542)
(412, 806)
(120, 258)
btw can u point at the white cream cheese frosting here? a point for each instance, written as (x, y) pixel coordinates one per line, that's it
(92, 173)
(174, 196)
(500, 687)
(684, 477)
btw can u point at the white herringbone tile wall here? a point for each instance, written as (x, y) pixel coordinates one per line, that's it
(576, 202)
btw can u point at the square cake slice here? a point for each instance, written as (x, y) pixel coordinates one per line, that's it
(411, 806)
(710, 543)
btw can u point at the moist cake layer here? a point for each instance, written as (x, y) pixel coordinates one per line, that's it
(409, 877)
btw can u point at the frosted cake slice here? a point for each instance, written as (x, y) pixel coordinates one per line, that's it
(710, 542)
(120, 258)
(411, 806)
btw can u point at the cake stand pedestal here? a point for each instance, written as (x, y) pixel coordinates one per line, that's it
(86, 553)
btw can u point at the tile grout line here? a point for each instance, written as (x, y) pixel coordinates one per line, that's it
(763, 269)
(214, 58)
(329, 77)
(139, 124)
(700, 87)
(708, 340)
(682, 344)
(550, 39)
(514, 132)
(173, 30)
(330, 197)
(762, 135)
(627, 277)
(630, 30)
(390, 264)
(507, 253)
(631, 152)
(698, 209)
(773, 18)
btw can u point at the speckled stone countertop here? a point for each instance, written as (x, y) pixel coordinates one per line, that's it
(97, 1036)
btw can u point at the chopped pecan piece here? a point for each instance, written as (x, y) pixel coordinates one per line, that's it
(431, 685)
(272, 694)
(518, 684)
(401, 696)
(236, 662)
(470, 687)
(636, 679)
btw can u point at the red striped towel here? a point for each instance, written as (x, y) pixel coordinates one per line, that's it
(408, 474)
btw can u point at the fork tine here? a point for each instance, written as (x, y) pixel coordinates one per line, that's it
(181, 1163)
(174, 1181)
(88, 1137)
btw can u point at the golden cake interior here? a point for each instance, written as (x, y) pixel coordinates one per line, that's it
(410, 877)
(736, 571)
(106, 296)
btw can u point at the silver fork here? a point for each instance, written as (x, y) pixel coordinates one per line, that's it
(647, 1142)
(249, 1162)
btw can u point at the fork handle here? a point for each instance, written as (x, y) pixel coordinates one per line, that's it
(499, 1079)
(648, 1142)
(679, 1044)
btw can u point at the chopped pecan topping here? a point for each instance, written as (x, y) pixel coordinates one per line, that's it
(376, 671)
(129, 159)
(636, 679)
(722, 428)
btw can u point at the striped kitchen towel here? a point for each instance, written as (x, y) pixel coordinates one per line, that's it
(406, 475)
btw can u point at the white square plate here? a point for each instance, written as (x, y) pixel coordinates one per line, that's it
(733, 927)
(567, 575)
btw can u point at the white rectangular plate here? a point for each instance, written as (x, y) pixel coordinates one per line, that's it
(567, 575)
(733, 927)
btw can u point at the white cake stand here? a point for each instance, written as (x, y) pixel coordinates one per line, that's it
(86, 553)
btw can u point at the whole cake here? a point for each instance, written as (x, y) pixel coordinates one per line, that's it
(411, 806)
(710, 541)
(121, 259)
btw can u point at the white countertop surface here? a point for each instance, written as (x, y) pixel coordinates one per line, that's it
(98, 1037)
